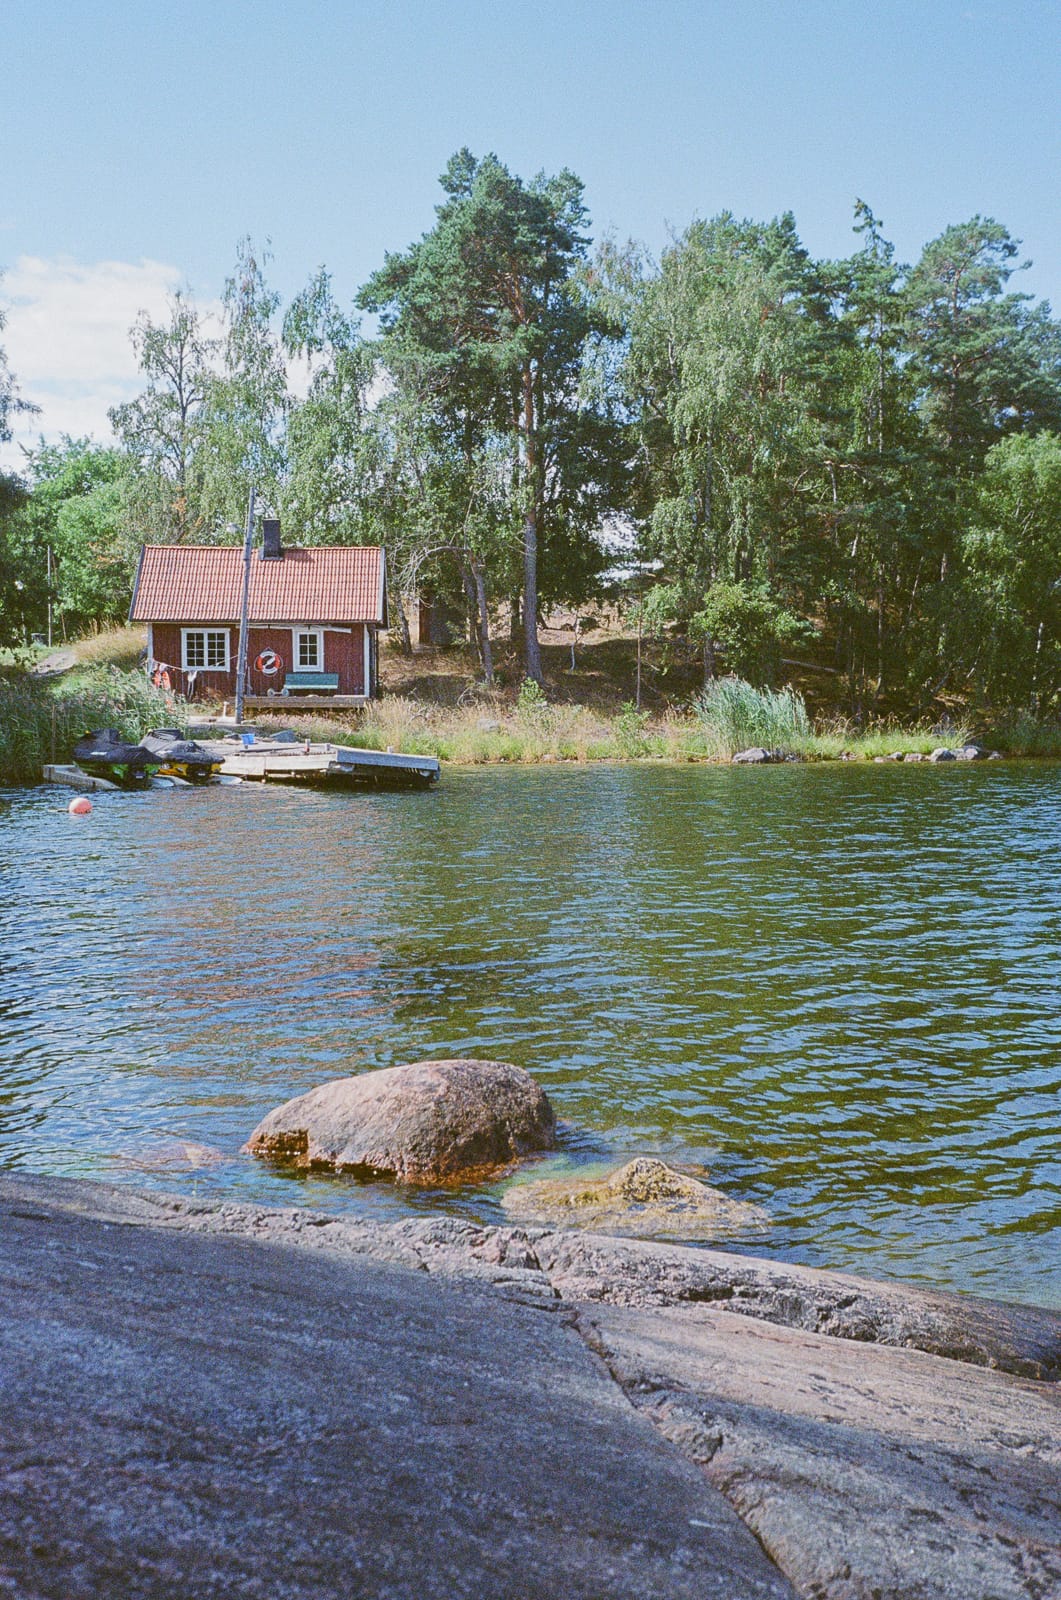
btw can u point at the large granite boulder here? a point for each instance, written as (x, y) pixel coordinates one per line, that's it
(428, 1122)
(643, 1199)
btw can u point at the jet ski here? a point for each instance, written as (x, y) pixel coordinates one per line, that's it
(177, 757)
(105, 754)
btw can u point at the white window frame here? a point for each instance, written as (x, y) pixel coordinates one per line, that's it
(297, 636)
(206, 634)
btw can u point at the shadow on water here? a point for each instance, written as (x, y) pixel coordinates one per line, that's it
(836, 987)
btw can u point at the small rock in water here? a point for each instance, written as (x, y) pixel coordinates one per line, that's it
(177, 1154)
(943, 755)
(755, 757)
(643, 1199)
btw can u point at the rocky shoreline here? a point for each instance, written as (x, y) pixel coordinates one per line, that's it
(205, 1398)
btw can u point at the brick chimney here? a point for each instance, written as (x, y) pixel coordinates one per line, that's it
(271, 548)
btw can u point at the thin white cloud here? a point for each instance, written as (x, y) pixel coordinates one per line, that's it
(67, 340)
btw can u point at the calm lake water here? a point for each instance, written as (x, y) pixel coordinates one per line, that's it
(840, 987)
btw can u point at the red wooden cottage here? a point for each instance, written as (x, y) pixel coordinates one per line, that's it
(313, 618)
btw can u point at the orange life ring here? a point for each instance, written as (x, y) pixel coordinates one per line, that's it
(269, 663)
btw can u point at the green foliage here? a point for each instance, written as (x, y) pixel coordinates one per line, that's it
(748, 627)
(162, 430)
(487, 321)
(630, 731)
(736, 716)
(1009, 621)
(77, 508)
(246, 404)
(531, 704)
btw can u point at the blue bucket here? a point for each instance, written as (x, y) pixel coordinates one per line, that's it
(248, 739)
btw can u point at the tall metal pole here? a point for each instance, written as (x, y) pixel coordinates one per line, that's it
(241, 659)
(49, 550)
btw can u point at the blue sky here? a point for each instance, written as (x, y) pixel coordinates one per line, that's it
(142, 140)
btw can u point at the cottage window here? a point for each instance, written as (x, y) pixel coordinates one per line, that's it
(309, 649)
(205, 649)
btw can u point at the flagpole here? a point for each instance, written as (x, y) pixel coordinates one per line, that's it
(241, 659)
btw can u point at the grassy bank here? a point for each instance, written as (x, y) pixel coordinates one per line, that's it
(40, 719)
(493, 729)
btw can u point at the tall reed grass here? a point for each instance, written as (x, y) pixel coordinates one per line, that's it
(735, 716)
(41, 721)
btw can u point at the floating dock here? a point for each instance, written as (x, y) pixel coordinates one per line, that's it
(275, 760)
(287, 761)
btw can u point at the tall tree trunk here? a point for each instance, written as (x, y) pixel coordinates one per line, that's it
(471, 610)
(709, 660)
(532, 656)
(403, 623)
(485, 650)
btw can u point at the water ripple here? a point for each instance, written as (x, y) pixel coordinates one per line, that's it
(838, 986)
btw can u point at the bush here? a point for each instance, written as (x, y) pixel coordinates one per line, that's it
(735, 716)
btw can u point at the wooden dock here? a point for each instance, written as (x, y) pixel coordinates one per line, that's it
(74, 778)
(279, 761)
(327, 765)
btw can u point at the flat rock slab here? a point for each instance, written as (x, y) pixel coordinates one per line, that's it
(263, 1387)
(426, 1122)
(869, 1473)
(983, 1333)
(209, 1416)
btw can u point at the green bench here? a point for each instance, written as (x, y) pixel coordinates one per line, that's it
(311, 683)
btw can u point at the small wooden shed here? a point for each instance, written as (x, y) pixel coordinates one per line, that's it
(314, 616)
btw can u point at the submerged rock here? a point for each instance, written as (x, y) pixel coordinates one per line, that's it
(643, 1199)
(427, 1122)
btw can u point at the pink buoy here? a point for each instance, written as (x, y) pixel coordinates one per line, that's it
(80, 807)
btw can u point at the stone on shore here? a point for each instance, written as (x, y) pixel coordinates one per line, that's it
(643, 1199)
(427, 1122)
(756, 756)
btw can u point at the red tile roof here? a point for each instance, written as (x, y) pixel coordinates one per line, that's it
(197, 583)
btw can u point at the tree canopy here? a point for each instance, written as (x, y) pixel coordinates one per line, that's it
(855, 460)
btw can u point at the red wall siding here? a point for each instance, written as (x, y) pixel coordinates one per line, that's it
(166, 638)
(258, 640)
(344, 653)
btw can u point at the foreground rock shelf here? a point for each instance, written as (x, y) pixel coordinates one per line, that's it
(208, 1399)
